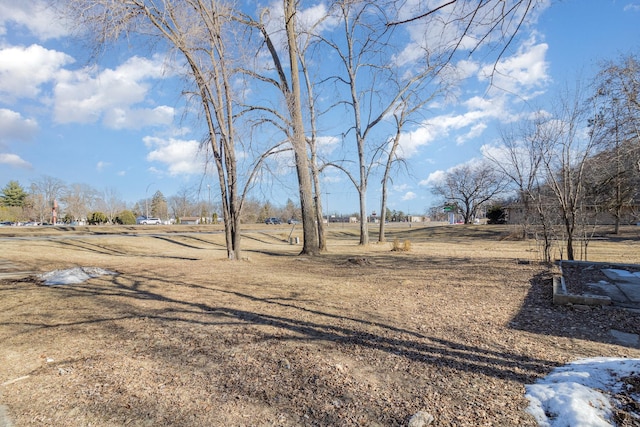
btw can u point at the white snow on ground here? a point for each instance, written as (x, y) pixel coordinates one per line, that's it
(579, 394)
(622, 274)
(72, 276)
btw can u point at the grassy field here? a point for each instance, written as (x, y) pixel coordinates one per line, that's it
(359, 336)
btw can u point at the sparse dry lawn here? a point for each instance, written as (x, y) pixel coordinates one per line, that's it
(355, 337)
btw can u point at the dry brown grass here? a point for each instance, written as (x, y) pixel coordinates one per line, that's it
(183, 337)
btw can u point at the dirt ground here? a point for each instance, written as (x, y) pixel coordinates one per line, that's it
(359, 336)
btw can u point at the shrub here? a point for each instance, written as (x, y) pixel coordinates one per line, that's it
(396, 246)
(125, 218)
(97, 218)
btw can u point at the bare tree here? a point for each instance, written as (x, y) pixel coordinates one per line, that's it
(615, 171)
(182, 203)
(519, 158)
(291, 123)
(312, 138)
(78, 200)
(294, 102)
(110, 202)
(566, 147)
(469, 186)
(365, 50)
(45, 192)
(400, 116)
(200, 32)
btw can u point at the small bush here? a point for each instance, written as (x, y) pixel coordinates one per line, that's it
(396, 246)
(125, 218)
(97, 218)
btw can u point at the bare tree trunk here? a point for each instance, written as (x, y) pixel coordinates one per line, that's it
(313, 148)
(322, 240)
(364, 220)
(383, 210)
(299, 143)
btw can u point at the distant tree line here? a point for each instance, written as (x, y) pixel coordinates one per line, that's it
(80, 203)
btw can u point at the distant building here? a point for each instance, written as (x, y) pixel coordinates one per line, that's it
(418, 218)
(190, 220)
(592, 214)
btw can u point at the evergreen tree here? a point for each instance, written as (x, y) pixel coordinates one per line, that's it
(496, 215)
(159, 206)
(13, 195)
(125, 217)
(97, 218)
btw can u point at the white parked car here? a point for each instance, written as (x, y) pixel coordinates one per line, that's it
(149, 221)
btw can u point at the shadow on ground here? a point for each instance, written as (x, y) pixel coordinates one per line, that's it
(539, 315)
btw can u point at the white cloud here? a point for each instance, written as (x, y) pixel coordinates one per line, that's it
(24, 69)
(524, 71)
(181, 156)
(521, 73)
(400, 187)
(15, 127)
(439, 176)
(100, 166)
(474, 132)
(326, 144)
(466, 68)
(35, 15)
(443, 126)
(14, 160)
(125, 118)
(433, 178)
(316, 19)
(504, 156)
(446, 29)
(86, 96)
(632, 7)
(409, 195)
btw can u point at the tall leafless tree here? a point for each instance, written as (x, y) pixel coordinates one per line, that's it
(201, 33)
(409, 104)
(469, 187)
(46, 191)
(615, 171)
(78, 199)
(110, 203)
(566, 146)
(183, 204)
(519, 158)
(374, 85)
(288, 85)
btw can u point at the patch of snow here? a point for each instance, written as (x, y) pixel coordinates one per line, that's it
(624, 275)
(579, 394)
(72, 276)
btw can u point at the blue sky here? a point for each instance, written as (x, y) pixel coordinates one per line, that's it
(118, 123)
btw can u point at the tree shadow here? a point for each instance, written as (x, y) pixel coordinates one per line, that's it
(272, 323)
(326, 326)
(84, 246)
